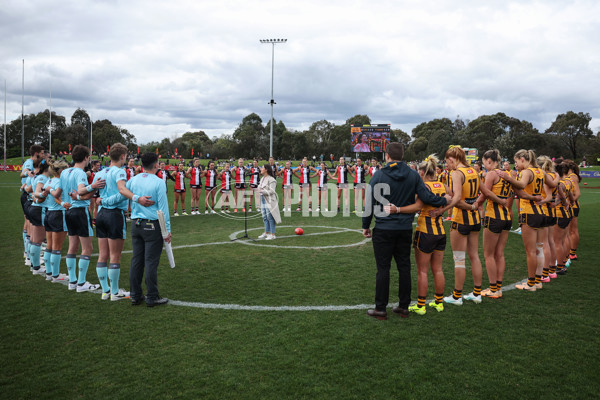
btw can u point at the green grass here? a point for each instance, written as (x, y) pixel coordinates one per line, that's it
(60, 344)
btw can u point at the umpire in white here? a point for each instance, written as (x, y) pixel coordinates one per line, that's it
(146, 237)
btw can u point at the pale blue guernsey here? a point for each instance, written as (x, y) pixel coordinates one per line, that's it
(28, 164)
(54, 184)
(111, 198)
(70, 179)
(44, 181)
(146, 184)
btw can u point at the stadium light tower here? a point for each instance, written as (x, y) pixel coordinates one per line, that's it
(273, 42)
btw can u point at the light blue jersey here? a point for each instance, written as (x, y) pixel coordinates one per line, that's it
(28, 164)
(146, 184)
(111, 198)
(54, 184)
(70, 179)
(29, 182)
(37, 180)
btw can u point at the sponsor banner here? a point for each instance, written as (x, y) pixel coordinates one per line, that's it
(590, 174)
(11, 168)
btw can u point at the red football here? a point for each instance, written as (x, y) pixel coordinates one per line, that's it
(299, 231)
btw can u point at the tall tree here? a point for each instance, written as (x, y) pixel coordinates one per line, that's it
(573, 129)
(251, 138)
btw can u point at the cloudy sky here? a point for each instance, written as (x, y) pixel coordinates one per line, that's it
(161, 68)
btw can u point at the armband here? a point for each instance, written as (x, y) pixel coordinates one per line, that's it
(135, 198)
(89, 188)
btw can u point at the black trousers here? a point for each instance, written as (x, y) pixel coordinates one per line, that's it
(147, 243)
(388, 244)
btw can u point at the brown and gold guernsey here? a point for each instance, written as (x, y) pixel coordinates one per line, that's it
(425, 223)
(574, 178)
(534, 188)
(549, 209)
(449, 179)
(502, 189)
(470, 191)
(561, 211)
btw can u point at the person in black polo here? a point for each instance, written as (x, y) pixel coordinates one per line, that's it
(394, 186)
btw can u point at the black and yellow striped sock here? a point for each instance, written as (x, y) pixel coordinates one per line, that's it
(499, 285)
(573, 252)
(421, 301)
(538, 279)
(477, 290)
(545, 272)
(494, 287)
(439, 298)
(457, 294)
(560, 267)
(530, 281)
(552, 269)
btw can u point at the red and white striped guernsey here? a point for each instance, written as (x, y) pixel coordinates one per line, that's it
(180, 180)
(322, 178)
(342, 173)
(287, 176)
(162, 175)
(373, 169)
(130, 172)
(304, 175)
(254, 174)
(239, 174)
(359, 174)
(226, 180)
(211, 178)
(196, 176)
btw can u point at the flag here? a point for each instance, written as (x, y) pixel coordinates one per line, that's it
(192, 152)
(175, 150)
(69, 147)
(157, 150)
(138, 149)
(107, 149)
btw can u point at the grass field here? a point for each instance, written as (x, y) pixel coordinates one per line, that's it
(59, 344)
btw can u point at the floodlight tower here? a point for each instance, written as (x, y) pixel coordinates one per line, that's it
(273, 42)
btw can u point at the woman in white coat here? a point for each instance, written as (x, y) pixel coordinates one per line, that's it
(268, 202)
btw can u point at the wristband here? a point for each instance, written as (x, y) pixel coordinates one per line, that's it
(135, 198)
(78, 197)
(89, 188)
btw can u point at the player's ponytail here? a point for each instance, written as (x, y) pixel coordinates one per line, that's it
(493, 155)
(527, 155)
(545, 163)
(429, 165)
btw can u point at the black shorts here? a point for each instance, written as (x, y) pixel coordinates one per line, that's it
(240, 186)
(36, 216)
(497, 225)
(96, 195)
(179, 190)
(305, 185)
(550, 221)
(54, 221)
(563, 222)
(110, 224)
(208, 188)
(287, 186)
(534, 221)
(253, 186)
(360, 185)
(196, 186)
(78, 222)
(24, 199)
(322, 188)
(26, 208)
(342, 185)
(465, 229)
(428, 242)
(575, 212)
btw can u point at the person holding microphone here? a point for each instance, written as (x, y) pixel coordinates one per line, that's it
(146, 237)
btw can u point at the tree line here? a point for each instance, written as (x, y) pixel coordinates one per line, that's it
(568, 136)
